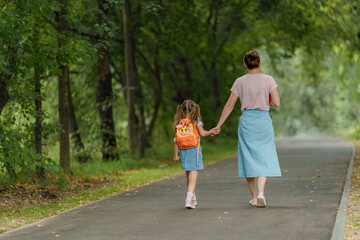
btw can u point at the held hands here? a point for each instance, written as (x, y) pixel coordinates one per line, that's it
(214, 131)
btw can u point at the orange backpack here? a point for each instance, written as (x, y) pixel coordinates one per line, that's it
(186, 134)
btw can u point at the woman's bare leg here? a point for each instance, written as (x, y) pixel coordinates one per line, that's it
(252, 186)
(261, 184)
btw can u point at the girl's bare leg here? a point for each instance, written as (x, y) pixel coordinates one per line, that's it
(187, 178)
(252, 186)
(192, 180)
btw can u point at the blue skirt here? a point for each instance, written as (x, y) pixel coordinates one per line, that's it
(188, 159)
(257, 155)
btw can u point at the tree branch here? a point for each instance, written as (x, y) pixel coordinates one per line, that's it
(226, 38)
(158, 91)
(147, 63)
(5, 3)
(49, 21)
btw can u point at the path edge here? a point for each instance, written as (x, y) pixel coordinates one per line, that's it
(339, 226)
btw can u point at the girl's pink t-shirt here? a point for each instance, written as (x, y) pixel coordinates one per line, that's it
(253, 91)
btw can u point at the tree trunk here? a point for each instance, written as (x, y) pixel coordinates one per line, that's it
(214, 79)
(4, 95)
(40, 171)
(104, 94)
(158, 93)
(63, 80)
(129, 76)
(64, 119)
(187, 92)
(215, 84)
(80, 153)
(158, 90)
(141, 129)
(104, 102)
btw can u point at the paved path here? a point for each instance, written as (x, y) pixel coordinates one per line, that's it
(301, 205)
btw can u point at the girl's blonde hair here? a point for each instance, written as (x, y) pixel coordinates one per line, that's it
(187, 109)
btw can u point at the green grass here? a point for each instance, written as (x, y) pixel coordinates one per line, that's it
(143, 172)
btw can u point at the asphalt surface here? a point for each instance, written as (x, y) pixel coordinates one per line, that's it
(301, 205)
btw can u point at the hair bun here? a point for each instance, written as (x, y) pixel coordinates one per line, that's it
(252, 59)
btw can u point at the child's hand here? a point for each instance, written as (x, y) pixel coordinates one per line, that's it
(212, 132)
(176, 158)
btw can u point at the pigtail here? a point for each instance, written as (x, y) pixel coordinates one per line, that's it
(177, 117)
(195, 113)
(198, 113)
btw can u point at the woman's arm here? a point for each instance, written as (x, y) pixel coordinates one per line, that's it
(229, 106)
(205, 133)
(275, 99)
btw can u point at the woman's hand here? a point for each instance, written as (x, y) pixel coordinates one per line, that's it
(212, 132)
(215, 131)
(275, 99)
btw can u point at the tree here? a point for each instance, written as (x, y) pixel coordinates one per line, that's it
(79, 148)
(104, 95)
(4, 95)
(129, 73)
(38, 103)
(64, 81)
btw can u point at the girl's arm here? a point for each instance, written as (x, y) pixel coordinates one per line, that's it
(275, 99)
(229, 106)
(205, 133)
(176, 152)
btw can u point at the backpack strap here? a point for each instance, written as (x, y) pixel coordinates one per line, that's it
(198, 146)
(197, 155)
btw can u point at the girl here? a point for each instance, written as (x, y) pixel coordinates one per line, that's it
(257, 157)
(188, 120)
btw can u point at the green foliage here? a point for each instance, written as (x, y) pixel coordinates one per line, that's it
(17, 159)
(183, 49)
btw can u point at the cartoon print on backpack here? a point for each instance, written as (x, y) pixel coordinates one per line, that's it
(183, 128)
(186, 134)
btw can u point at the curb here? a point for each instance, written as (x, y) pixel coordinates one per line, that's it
(339, 226)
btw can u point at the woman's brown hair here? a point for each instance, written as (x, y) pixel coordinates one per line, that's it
(252, 59)
(187, 109)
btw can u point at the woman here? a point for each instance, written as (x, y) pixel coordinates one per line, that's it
(257, 157)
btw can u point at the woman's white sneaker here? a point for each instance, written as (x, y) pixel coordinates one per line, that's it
(261, 202)
(253, 202)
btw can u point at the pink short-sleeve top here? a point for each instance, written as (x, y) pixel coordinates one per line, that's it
(253, 91)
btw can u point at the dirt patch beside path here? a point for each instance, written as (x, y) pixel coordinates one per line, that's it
(36, 193)
(352, 225)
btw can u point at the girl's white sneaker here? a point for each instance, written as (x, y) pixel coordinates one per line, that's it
(189, 205)
(193, 200)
